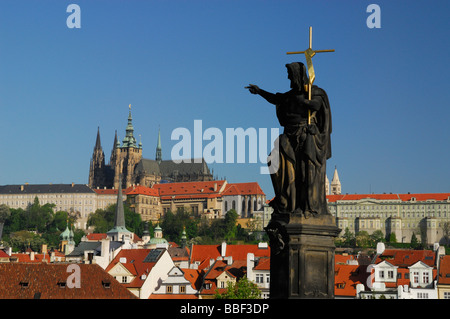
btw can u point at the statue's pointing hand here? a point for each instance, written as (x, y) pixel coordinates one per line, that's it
(254, 89)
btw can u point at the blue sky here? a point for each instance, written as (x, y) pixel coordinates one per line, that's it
(179, 61)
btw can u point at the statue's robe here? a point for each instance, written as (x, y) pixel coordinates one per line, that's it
(303, 149)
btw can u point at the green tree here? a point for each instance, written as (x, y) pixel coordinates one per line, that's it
(446, 231)
(4, 214)
(423, 233)
(349, 238)
(241, 289)
(230, 225)
(362, 239)
(39, 217)
(16, 221)
(103, 220)
(392, 238)
(23, 239)
(377, 237)
(414, 241)
(173, 225)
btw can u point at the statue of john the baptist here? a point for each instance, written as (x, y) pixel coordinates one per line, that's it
(304, 147)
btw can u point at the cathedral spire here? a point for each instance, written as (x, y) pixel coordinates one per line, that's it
(158, 148)
(129, 140)
(119, 219)
(98, 144)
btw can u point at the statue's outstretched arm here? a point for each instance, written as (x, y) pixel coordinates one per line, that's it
(269, 97)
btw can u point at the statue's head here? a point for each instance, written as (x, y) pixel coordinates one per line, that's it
(297, 75)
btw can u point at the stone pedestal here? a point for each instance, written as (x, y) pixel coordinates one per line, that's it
(302, 257)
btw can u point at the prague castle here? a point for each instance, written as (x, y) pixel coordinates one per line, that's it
(126, 164)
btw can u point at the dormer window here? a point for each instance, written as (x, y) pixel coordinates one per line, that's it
(62, 284)
(106, 284)
(24, 284)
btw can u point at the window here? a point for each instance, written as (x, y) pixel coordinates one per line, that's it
(416, 277)
(426, 277)
(124, 279)
(259, 278)
(390, 274)
(381, 273)
(24, 284)
(62, 284)
(182, 289)
(169, 289)
(446, 294)
(422, 295)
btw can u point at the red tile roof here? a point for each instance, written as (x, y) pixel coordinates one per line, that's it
(142, 190)
(186, 190)
(194, 276)
(134, 263)
(236, 270)
(444, 271)
(96, 236)
(402, 197)
(342, 259)
(45, 281)
(407, 257)
(347, 277)
(251, 188)
(203, 253)
(263, 264)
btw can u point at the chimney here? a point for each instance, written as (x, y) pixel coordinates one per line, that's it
(380, 248)
(250, 265)
(223, 249)
(21, 188)
(73, 184)
(229, 260)
(32, 255)
(105, 249)
(44, 249)
(215, 187)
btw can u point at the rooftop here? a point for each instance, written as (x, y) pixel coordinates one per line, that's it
(49, 281)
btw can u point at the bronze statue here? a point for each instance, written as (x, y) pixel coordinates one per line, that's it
(304, 146)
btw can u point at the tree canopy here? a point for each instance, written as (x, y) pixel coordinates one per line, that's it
(241, 289)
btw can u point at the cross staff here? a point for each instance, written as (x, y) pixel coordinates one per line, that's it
(309, 53)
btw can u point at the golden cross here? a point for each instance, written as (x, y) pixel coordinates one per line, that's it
(309, 53)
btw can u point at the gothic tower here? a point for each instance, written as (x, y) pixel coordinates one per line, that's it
(335, 183)
(125, 157)
(158, 156)
(97, 167)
